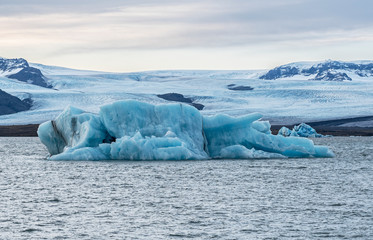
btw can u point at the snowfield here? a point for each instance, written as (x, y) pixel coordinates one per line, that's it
(282, 101)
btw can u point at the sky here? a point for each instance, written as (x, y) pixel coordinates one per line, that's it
(139, 35)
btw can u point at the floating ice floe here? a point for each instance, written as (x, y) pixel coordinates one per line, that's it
(301, 130)
(135, 130)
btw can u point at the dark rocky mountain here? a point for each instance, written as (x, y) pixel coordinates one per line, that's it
(31, 75)
(324, 71)
(25, 74)
(10, 104)
(332, 76)
(280, 72)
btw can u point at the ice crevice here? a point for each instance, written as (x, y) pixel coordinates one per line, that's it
(133, 130)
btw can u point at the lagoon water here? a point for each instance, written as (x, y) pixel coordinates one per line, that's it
(215, 199)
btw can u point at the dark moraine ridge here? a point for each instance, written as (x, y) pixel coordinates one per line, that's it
(337, 122)
(177, 97)
(19, 130)
(234, 87)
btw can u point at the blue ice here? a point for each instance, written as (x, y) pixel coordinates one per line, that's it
(134, 130)
(301, 130)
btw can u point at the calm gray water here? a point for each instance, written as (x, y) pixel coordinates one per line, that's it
(225, 199)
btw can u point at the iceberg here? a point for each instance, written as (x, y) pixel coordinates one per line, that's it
(133, 130)
(301, 130)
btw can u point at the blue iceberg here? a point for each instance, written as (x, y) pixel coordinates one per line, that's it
(133, 130)
(301, 130)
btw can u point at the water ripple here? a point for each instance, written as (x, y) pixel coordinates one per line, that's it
(217, 199)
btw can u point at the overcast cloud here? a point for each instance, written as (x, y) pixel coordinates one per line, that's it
(55, 31)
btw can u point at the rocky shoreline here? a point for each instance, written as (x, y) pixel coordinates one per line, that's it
(19, 130)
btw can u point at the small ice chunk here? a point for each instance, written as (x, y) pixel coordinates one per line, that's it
(301, 130)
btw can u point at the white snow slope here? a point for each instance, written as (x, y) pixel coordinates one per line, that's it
(282, 101)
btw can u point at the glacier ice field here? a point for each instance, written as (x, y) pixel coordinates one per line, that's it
(290, 100)
(135, 130)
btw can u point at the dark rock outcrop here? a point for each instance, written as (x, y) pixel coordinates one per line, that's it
(177, 97)
(31, 75)
(234, 87)
(332, 76)
(10, 104)
(280, 72)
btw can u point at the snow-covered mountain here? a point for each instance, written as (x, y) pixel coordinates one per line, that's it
(20, 70)
(323, 71)
(287, 100)
(9, 66)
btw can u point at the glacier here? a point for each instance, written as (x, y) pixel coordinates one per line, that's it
(134, 130)
(285, 101)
